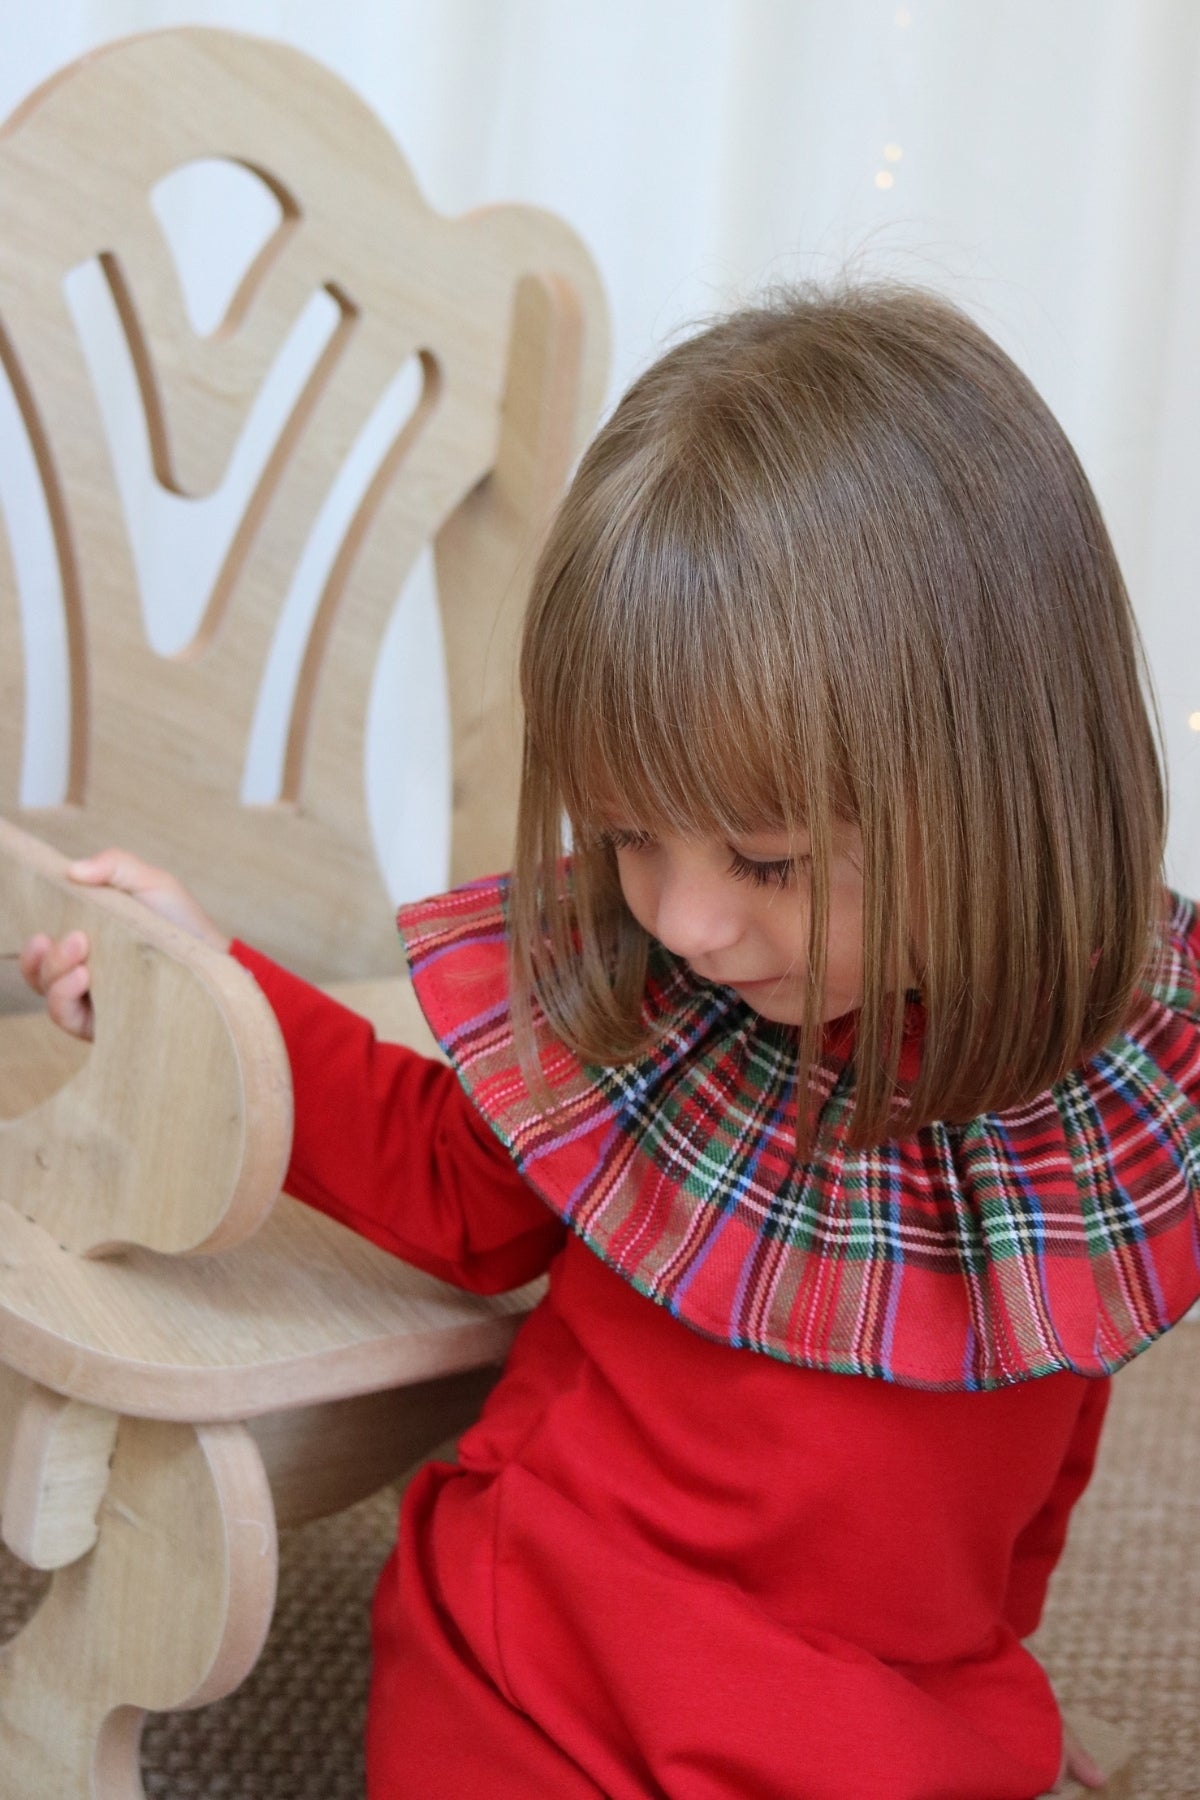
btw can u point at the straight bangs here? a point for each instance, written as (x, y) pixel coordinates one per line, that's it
(657, 709)
(677, 678)
(833, 559)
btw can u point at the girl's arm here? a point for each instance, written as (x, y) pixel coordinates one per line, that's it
(387, 1142)
(1040, 1544)
(1036, 1553)
(385, 1139)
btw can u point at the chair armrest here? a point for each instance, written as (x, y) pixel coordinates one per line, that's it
(175, 1132)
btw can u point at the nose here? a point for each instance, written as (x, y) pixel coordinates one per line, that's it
(696, 915)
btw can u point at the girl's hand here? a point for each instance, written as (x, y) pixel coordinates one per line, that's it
(59, 971)
(1077, 1765)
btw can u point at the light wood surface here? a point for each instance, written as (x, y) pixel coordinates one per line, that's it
(503, 311)
(182, 1579)
(392, 1008)
(55, 1473)
(36, 1059)
(322, 1459)
(304, 1311)
(175, 1152)
(169, 1134)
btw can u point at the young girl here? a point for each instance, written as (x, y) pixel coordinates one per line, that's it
(843, 1078)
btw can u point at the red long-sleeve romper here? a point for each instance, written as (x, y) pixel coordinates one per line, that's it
(664, 1566)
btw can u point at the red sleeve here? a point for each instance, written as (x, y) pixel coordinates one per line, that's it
(387, 1143)
(1040, 1544)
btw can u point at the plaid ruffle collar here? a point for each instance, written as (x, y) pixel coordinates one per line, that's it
(1060, 1235)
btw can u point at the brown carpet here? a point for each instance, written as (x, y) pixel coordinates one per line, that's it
(1121, 1638)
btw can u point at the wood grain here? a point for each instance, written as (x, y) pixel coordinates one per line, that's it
(169, 1134)
(170, 1609)
(174, 1132)
(55, 1474)
(503, 311)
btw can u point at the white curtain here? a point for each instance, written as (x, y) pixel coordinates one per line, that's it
(1037, 159)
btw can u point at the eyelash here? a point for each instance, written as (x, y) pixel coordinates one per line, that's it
(764, 874)
(625, 840)
(743, 868)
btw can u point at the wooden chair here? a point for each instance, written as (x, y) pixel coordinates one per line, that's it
(185, 1359)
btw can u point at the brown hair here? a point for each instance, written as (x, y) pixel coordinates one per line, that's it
(834, 558)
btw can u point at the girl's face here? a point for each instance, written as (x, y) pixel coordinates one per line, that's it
(737, 912)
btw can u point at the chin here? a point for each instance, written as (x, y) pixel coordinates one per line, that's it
(780, 1010)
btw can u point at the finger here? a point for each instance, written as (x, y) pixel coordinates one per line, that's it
(63, 957)
(155, 888)
(42, 961)
(33, 951)
(116, 868)
(68, 1001)
(1079, 1765)
(1085, 1768)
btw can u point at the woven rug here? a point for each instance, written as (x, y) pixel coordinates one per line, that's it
(1121, 1637)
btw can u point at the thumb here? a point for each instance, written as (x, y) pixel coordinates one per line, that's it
(114, 868)
(155, 888)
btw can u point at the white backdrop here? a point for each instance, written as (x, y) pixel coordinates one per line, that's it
(1037, 159)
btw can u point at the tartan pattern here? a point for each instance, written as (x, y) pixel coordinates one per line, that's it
(1063, 1234)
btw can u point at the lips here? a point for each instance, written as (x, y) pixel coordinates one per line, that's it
(737, 981)
(742, 981)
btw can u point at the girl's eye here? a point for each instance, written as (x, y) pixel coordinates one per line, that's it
(614, 839)
(764, 874)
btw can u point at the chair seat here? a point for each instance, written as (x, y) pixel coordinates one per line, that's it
(304, 1311)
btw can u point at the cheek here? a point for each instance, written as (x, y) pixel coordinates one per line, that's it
(637, 885)
(845, 968)
(781, 921)
(845, 955)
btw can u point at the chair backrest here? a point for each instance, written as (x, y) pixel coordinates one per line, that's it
(502, 311)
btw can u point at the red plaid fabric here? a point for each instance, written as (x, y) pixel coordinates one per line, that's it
(1060, 1235)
